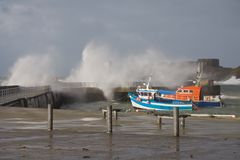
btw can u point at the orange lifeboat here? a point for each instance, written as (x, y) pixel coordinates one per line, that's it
(188, 93)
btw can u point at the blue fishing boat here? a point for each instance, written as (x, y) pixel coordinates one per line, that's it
(152, 104)
(149, 99)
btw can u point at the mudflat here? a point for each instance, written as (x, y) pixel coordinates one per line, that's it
(82, 135)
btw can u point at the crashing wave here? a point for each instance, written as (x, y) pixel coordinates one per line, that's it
(231, 81)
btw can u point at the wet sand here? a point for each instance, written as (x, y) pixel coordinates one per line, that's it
(82, 135)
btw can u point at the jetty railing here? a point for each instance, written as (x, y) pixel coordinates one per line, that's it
(8, 95)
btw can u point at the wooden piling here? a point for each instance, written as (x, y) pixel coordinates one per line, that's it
(183, 122)
(109, 119)
(50, 117)
(115, 114)
(46, 99)
(176, 121)
(159, 120)
(53, 99)
(39, 104)
(104, 112)
(23, 102)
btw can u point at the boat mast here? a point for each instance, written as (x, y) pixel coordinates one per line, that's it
(199, 73)
(149, 82)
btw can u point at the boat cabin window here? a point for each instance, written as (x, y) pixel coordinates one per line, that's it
(184, 91)
(144, 94)
(179, 91)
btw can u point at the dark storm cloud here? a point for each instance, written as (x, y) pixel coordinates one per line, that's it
(182, 29)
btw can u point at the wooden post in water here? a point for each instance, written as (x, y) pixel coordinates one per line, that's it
(109, 119)
(176, 121)
(50, 117)
(183, 122)
(159, 120)
(104, 114)
(115, 114)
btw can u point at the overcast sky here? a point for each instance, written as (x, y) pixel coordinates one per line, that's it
(185, 29)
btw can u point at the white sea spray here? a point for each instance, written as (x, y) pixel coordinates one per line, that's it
(108, 68)
(31, 70)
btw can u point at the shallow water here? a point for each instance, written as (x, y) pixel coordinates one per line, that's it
(81, 135)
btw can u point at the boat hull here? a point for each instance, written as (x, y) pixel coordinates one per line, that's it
(153, 105)
(207, 104)
(201, 104)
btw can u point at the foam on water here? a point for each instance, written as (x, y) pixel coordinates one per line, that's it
(231, 81)
(90, 119)
(229, 97)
